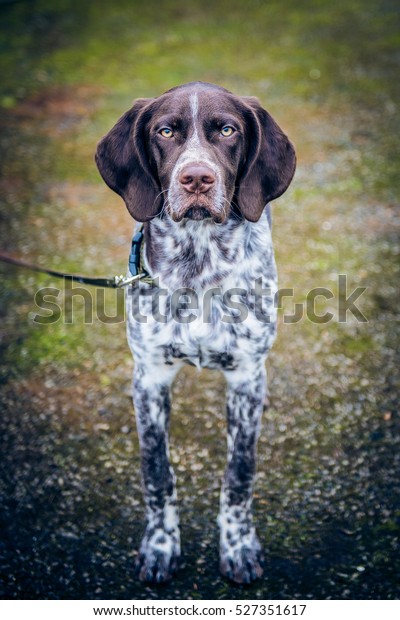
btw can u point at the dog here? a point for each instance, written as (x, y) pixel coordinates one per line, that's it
(198, 166)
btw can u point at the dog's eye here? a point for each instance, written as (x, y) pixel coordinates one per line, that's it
(166, 132)
(227, 131)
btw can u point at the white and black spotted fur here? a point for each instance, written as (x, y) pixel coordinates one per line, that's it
(198, 165)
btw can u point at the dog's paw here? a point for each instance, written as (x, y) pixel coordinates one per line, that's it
(158, 557)
(242, 563)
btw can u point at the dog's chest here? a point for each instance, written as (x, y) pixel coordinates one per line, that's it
(204, 311)
(218, 345)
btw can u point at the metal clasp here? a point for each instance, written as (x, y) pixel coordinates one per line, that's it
(120, 281)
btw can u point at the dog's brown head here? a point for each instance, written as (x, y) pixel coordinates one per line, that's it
(197, 150)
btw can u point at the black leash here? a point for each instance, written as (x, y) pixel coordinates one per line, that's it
(135, 267)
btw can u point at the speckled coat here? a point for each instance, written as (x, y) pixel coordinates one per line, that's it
(208, 246)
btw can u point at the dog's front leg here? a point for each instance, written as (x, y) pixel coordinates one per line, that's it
(160, 547)
(240, 550)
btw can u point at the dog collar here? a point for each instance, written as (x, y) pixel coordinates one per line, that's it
(136, 259)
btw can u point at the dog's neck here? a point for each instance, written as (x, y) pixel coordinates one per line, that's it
(199, 254)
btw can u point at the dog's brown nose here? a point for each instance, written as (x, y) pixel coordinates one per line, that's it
(197, 178)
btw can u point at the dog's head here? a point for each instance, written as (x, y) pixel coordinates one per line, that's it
(196, 150)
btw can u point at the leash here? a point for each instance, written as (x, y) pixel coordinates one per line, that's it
(135, 263)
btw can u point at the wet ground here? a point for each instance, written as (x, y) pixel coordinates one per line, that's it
(328, 491)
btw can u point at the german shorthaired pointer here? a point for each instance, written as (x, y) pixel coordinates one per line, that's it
(199, 165)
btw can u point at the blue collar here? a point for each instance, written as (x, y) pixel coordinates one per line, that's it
(135, 255)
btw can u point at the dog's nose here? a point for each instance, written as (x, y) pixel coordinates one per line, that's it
(197, 178)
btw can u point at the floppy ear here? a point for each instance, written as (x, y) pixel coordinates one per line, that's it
(122, 161)
(270, 163)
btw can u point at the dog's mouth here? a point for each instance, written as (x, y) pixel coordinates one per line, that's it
(188, 207)
(198, 213)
